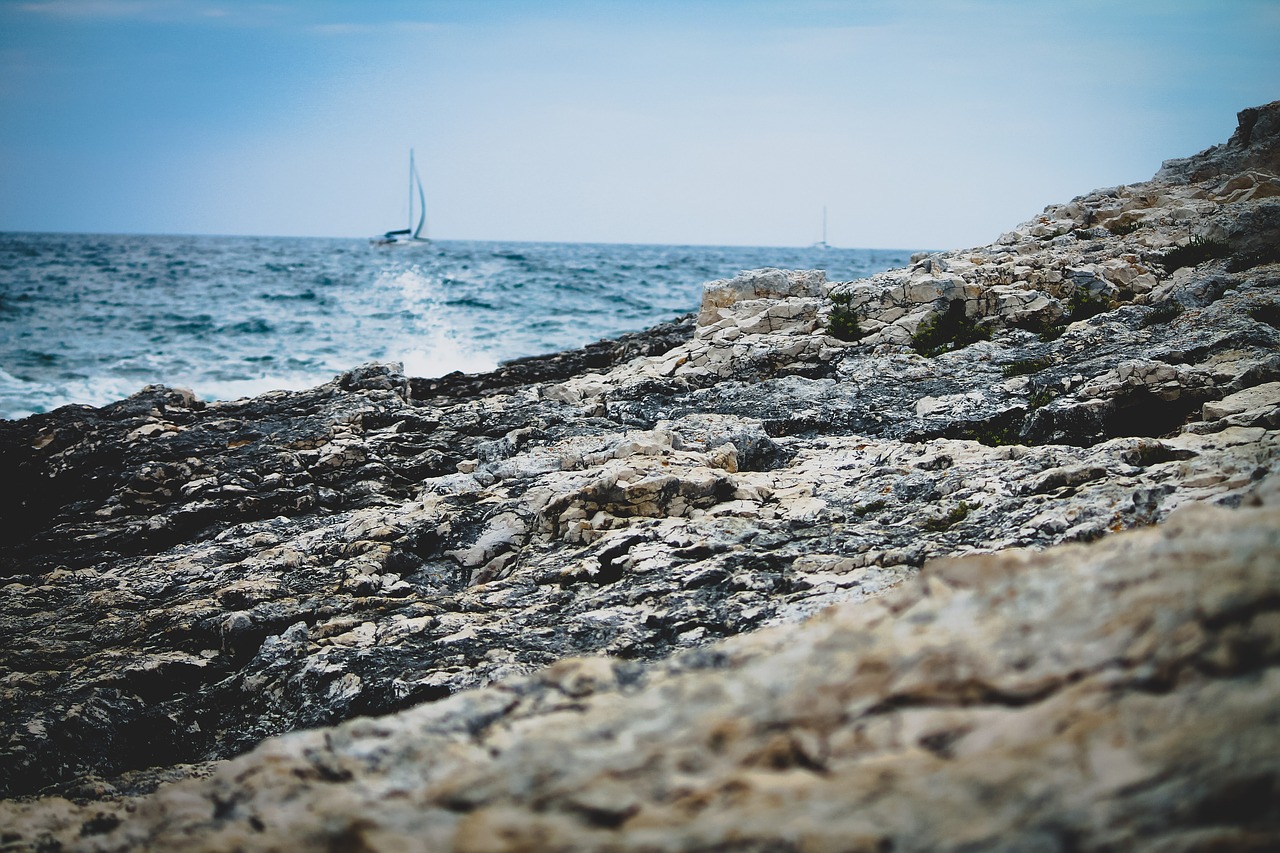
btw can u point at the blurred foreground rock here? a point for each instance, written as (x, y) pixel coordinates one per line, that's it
(180, 580)
(1120, 695)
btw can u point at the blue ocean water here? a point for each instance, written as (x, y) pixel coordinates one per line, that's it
(93, 318)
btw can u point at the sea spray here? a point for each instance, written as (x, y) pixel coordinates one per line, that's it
(439, 338)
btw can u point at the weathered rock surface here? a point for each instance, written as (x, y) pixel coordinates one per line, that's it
(1120, 695)
(180, 580)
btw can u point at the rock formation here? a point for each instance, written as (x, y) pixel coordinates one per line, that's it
(1113, 696)
(574, 595)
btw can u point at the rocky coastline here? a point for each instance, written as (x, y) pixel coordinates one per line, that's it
(983, 553)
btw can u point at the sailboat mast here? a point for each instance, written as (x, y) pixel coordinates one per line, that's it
(824, 225)
(409, 227)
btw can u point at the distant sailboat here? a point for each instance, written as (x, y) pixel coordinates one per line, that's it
(822, 244)
(413, 233)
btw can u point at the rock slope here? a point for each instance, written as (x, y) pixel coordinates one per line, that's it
(1115, 696)
(184, 579)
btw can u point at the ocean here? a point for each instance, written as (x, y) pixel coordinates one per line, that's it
(93, 318)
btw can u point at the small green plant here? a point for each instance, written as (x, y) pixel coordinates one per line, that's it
(1268, 313)
(994, 434)
(1162, 313)
(1195, 253)
(957, 514)
(1042, 397)
(869, 507)
(843, 323)
(1084, 304)
(1025, 366)
(952, 329)
(1052, 333)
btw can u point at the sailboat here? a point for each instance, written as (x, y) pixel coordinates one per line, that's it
(413, 233)
(822, 244)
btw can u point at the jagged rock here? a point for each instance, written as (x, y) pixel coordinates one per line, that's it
(768, 285)
(1254, 145)
(1258, 405)
(1120, 695)
(181, 579)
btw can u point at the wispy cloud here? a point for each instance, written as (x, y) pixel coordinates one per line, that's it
(234, 14)
(99, 8)
(154, 11)
(344, 29)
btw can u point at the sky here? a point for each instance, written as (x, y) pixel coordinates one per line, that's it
(929, 124)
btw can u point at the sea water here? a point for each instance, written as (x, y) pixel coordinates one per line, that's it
(91, 319)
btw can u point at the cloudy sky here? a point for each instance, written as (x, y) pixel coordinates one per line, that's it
(927, 124)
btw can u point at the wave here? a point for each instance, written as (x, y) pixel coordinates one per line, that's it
(252, 326)
(234, 316)
(22, 397)
(471, 302)
(443, 354)
(305, 296)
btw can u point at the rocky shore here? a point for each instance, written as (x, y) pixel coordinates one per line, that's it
(979, 554)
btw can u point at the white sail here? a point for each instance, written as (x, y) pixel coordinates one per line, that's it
(416, 179)
(413, 231)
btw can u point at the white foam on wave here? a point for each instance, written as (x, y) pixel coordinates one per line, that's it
(235, 389)
(21, 397)
(419, 292)
(443, 356)
(437, 341)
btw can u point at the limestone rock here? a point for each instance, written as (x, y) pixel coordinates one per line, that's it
(752, 286)
(1260, 403)
(1114, 696)
(519, 566)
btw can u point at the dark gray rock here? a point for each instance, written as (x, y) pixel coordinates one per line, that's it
(181, 579)
(1255, 144)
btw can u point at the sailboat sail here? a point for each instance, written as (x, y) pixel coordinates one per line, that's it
(822, 244)
(413, 232)
(414, 178)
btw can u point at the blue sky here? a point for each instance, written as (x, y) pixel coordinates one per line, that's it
(937, 123)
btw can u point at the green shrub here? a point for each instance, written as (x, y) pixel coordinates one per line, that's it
(952, 329)
(843, 323)
(996, 434)
(1025, 366)
(1199, 250)
(1162, 313)
(1042, 397)
(1084, 304)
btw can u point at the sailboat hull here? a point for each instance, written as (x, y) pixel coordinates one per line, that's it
(400, 241)
(403, 237)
